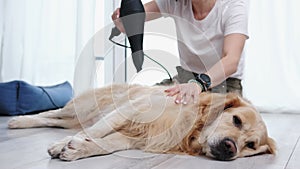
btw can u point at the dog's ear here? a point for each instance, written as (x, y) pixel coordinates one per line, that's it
(213, 104)
(271, 146)
(232, 100)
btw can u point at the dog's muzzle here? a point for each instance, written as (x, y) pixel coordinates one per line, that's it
(224, 150)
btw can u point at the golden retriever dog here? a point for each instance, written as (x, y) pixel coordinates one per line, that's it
(122, 117)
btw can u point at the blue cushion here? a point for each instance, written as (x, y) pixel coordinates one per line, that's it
(19, 97)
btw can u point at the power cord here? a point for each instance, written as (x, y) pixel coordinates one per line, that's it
(115, 32)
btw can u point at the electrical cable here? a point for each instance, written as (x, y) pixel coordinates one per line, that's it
(112, 35)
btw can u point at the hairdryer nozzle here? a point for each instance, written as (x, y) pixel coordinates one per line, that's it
(114, 32)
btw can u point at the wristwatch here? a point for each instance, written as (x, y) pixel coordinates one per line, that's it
(204, 79)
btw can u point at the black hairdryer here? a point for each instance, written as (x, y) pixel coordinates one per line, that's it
(132, 14)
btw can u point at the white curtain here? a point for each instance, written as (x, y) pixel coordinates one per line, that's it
(272, 67)
(40, 40)
(1, 34)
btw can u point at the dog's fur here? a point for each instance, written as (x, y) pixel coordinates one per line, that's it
(121, 117)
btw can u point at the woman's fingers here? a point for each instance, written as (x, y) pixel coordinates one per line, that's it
(117, 21)
(173, 91)
(186, 93)
(179, 98)
(116, 14)
(187, 97)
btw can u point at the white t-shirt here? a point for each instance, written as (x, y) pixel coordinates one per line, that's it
(200, 42)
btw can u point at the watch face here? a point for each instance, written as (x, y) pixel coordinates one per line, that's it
(205, 78)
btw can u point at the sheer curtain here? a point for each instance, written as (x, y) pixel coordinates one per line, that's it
(272, 67)
(42, 39)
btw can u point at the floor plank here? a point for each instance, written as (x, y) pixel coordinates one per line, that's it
(104, 162)
(26, 149)
(181, 162)
(284, 128)
(294, 161)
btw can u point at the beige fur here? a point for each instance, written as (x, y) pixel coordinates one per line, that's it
(120, 117)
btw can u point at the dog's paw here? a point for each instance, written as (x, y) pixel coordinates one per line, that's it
(75, 149)
(55, 149)
(17, 122)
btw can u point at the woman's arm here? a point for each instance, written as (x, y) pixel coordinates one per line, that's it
(151, 9)
(232, 50)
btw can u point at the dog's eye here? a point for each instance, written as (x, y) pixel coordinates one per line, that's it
(237, 121)
(250, 145)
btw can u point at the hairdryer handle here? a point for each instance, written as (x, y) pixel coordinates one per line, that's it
(132, 14)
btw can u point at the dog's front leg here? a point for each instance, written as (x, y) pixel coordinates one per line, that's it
(108, 124)
(80, 147)
(101, 138)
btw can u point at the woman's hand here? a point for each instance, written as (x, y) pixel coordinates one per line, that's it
(186, 92)
(117, 21)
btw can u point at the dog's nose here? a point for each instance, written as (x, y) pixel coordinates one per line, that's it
(230, 146)
(224, 150)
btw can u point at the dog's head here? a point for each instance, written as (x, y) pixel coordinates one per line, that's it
(233, 128)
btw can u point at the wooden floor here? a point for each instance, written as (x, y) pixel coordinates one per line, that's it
(26, 149)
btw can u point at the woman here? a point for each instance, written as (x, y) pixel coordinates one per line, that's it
(211, 49)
